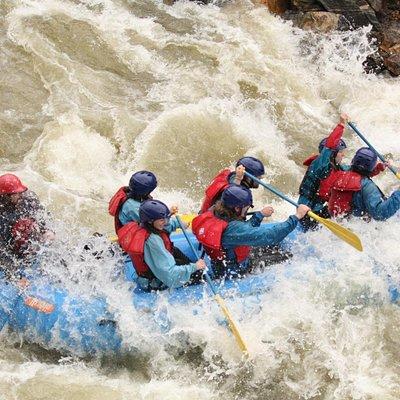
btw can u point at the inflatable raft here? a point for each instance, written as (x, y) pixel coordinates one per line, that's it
(49, 316)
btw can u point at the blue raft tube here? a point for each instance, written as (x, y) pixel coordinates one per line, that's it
(86, 327)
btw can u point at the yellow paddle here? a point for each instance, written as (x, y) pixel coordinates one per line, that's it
(343, 233)
(232, 324)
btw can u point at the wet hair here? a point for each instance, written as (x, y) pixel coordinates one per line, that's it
(361, 171)
(150, 228)
(5, 200)
(138, 197)
(225, 213)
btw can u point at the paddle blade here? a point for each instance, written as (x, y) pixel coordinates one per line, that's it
(232, 325)
(343, 233)
(188, 218)
(398, 175)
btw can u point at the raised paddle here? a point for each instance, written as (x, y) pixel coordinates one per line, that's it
(349, 237)
(363, 138)
(218, 298)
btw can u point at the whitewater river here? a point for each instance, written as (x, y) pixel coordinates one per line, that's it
(92, 90)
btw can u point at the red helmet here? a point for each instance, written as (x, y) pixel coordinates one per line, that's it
(11, 184)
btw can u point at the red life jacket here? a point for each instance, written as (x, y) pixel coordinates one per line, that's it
(310, 159)
(343, 189)
(208, 230)
(115, 204)
(132, 238)
(214, 190)
(325, 185)
(23, 231)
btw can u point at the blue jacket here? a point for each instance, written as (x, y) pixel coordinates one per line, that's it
(162, 263)
(253, 233)
(319, 169)
(371, 201)
(129, 211)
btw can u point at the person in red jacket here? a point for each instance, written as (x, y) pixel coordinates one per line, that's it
(22, 224)
(228, 237)
(315, 186)
(226, 177)
(355, 193)
(124, 205)
(158, 264)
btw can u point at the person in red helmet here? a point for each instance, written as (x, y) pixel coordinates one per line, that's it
(22, 224)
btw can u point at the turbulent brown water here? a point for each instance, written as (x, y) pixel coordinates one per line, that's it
(93, 90)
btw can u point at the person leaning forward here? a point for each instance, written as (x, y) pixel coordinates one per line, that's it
(158, 264)
(228, 237)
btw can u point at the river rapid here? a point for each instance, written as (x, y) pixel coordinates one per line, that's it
(92, 90)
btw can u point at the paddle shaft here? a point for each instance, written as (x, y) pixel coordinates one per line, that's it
(218, 298)
(196, 254)
(364, 139)
(341, 232)
(272, 189)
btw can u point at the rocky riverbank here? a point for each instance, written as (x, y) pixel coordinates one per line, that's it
(327, 15)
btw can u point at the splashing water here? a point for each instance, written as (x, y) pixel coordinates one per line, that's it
(93, 90)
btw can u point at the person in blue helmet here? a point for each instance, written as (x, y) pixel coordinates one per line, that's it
(228, 237)
(354, 192)
(315, 187)
(226, 177)
(158, 264)
(124, 205)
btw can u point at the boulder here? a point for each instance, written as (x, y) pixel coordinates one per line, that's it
(306, 5)
(390, 35)
(277, 6)
(319, 21)
(376, 5)
(392, 63)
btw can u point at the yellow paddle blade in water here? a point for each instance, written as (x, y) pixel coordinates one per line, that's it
(343, 233)
(398, 175)
(232, 325)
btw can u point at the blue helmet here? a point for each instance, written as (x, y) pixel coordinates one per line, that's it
(252, 165)
(364, 160)
(142, 182)
(150, 210)
(341, 146)
(236, 196)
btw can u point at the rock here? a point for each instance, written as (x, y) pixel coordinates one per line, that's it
(307, 5)
(319, 21)
(376, 5)
(374, 64)
(392, 63)
(391, 35)
(277, 6)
